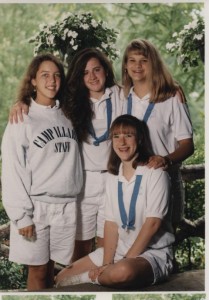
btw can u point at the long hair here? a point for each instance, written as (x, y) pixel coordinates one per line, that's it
(163, 84)
(26, 89)
(77, 105)
(128, 123)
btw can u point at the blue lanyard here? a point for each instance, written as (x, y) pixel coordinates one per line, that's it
(129, 223)
(105, 136)
(147, 113)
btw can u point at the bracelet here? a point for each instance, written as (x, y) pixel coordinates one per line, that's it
(168, 160)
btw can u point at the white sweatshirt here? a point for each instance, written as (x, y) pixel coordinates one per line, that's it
(40, 161)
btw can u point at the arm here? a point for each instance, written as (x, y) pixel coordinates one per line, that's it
(110, 244)
(17, 111)
(185, 149)
(16, 177)
(110, 241)
(148, 230)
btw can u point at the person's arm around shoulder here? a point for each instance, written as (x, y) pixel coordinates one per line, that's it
(17, 111)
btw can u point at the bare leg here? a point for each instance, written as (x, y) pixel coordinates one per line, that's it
(37, 277)
(82, 248)
(100, 242)
(128, 272)
(80, 266)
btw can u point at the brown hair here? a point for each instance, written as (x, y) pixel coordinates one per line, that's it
(163, 84)
(144, 146)
(77, 104)
(26, 89)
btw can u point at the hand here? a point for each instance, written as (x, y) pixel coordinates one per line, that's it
(28, 231)
(157, 161)
(16, 111)
(94, 273)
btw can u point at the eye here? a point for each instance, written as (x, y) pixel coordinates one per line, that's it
(58, 75)
(98, 69)
(45, 75)
(131, 60)
(144, 61)
(115, 136)
(129, 135)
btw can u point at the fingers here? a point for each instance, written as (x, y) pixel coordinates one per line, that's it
(157, 161)
(27, 232)
(16, 112)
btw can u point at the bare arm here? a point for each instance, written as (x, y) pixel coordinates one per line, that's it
(110, 244)
(148, 230)
(185, 149)
(16, 112)
(110, 241)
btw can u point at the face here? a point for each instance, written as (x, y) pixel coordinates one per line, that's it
(94, 78)
(47, 82)
(124, 144)
(138, 67)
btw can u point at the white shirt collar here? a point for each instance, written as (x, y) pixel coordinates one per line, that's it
(105, 96)
(146, 97)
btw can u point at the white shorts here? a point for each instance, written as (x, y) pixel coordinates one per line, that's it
(159, 259)
(91, 206)
(55, 227)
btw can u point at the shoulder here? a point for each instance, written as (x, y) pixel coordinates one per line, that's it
(117, 90)
(152, 175)
(111, 179)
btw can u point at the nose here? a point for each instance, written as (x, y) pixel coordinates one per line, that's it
(139, 64)
(122, 139)
(92, 75)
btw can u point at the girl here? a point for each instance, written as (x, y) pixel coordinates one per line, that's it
(154, 96)
(39, 192)
(93, 101)
(137, 236)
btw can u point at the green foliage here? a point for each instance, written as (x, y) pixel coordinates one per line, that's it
(73, 33)
(188, 44)
(190, 254)
(12, 276)
(158, 297)
(50, 297)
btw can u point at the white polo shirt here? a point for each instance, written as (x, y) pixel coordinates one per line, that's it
(95, 157)
(168, 123)
(152, 201)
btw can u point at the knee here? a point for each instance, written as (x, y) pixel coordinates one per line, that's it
(121, 273)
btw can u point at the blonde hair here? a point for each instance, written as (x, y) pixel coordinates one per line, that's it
(163, 84)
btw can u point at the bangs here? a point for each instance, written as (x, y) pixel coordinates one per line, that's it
(122, 128)
(138, 47)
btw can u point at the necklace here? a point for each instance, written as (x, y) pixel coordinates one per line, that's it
(129, 221)
(105, 136)
(147, 112)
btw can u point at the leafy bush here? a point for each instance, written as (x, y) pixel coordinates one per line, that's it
(12, 276)
(75, 32)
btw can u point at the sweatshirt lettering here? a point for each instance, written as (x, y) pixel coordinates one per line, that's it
(50, 134)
